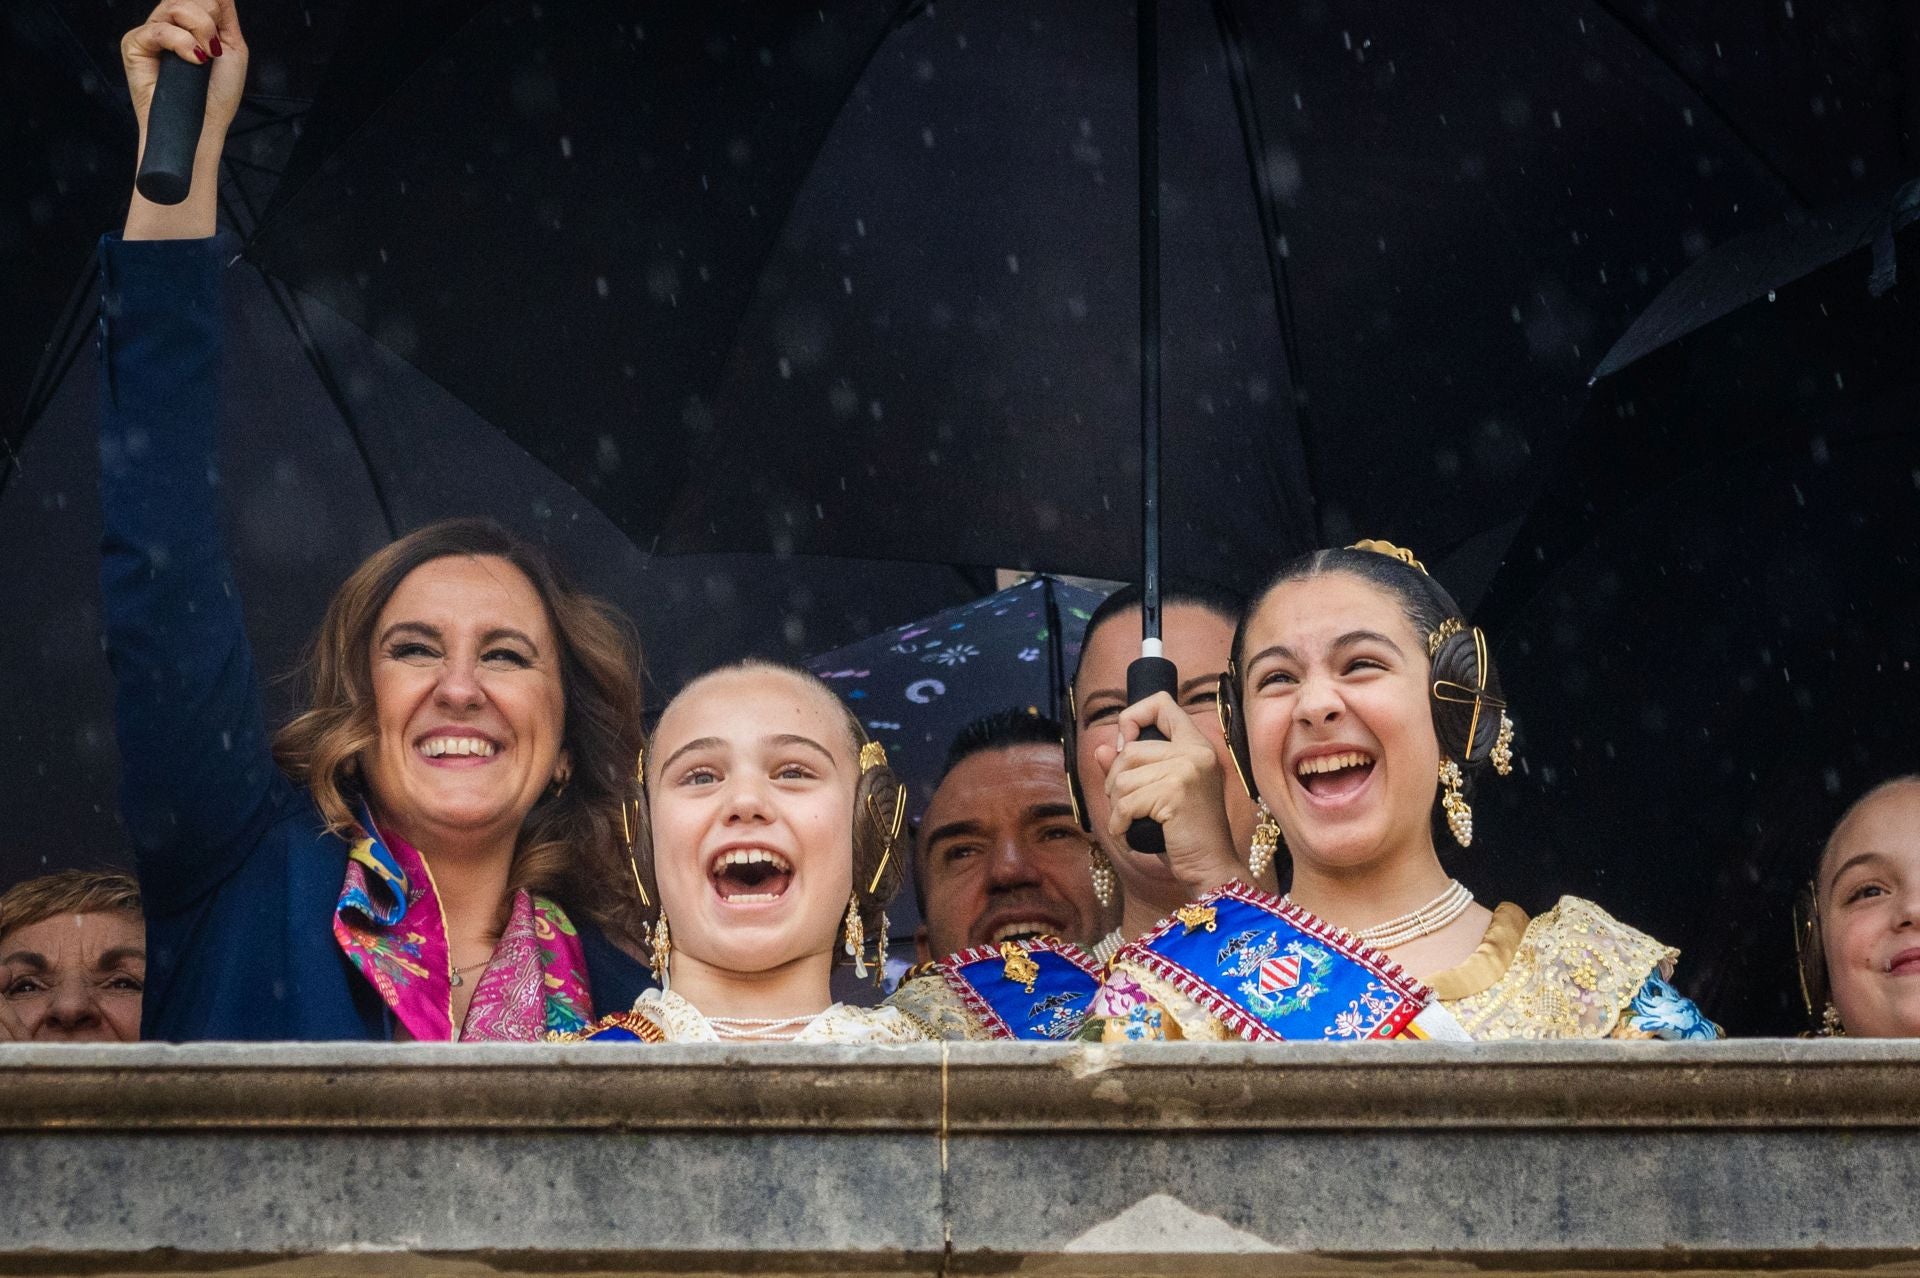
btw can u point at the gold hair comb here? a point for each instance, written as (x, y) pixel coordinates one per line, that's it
(1390, 550)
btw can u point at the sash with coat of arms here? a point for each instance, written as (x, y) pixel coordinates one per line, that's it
(1271, 971)
(1037, 989)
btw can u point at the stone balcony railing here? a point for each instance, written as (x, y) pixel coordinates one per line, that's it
(973, 1159)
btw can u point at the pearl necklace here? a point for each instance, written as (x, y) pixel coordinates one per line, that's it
(1425, 921)
(774, 1029)
(1411, 926)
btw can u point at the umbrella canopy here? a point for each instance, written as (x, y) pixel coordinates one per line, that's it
(333, 443)
(1709, 631)
(850, 281)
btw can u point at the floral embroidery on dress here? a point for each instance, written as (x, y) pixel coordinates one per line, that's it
(930, 1002)
(1661, 1011)
(1576, 973)
(679, 1021)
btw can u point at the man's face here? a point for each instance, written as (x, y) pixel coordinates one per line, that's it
(1001, 855)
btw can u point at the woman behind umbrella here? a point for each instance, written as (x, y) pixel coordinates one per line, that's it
(1360, 701)
(409, 857)
(772, 837)
(1860, 919)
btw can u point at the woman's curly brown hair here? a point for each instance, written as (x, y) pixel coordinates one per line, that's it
(879, 798)
(571, 847)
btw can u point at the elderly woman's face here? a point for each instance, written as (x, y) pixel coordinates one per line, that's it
(467, 694)
(75, 978)
(1870, 915)
(752, 817)
(1338, 722)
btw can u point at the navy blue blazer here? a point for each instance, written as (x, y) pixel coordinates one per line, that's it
(239, 876)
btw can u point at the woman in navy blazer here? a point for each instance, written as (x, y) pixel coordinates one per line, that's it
(434, 848)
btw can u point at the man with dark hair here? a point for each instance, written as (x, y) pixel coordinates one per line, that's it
(999, 854)
(1197, 622)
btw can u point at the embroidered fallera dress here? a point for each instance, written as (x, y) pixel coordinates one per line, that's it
(665, 1017)
(1574, 972)
(1238, 963)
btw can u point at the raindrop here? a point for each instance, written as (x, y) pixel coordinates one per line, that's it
(600, 285)
(1770, 295)
(846, 285)
(786, 367)
(926, 138)
(874, 410)
(1686, 113)
(1013, 264)
(566, 147)
(860, 227)
(1821, 455)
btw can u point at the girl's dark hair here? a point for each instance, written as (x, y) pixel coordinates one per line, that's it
(1460, 659)
(879, 846)
(570, 847)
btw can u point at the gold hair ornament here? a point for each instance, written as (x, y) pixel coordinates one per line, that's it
(627, 824)
(1390, 550)
(874, 755)
(1460, 695)
(1223, 711)
(1441, 633)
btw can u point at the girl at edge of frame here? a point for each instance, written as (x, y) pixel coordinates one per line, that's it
(430, 850)
(1858, 930)
(770, 842)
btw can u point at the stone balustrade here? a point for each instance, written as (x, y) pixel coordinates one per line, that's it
(968, 1159)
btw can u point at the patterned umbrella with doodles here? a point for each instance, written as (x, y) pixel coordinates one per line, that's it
(917, 685)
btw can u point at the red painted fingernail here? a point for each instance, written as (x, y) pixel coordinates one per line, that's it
(216, 46)
(199, 53)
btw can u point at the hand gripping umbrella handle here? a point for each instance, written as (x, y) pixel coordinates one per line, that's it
(1146, 676)
(173, 130)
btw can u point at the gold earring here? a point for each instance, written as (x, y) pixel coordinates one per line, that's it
(855, 936)
(1830, 1026)
(1459, 815)
(1502, 754)
(880, 953)
(1103, 879)
(661, 961)
(1266, 841)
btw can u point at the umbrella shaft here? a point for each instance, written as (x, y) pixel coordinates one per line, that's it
(1149, 88)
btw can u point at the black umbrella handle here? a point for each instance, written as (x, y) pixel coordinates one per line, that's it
(1146, 676)
(173, 130)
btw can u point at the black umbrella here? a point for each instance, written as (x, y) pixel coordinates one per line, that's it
(333, 444)
(1709, 630)
(860, 280)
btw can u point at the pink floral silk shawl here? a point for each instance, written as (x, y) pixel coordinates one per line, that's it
(389, 925)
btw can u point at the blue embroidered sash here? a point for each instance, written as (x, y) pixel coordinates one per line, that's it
(1271, 971)
(1024, 989)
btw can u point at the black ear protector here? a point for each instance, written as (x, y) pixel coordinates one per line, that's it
(1233, 727)
(1070, 754)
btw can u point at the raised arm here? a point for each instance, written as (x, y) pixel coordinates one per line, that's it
(197, 776)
